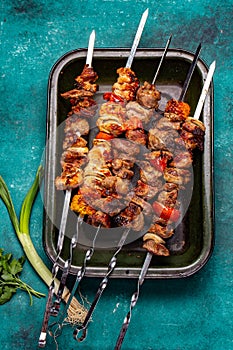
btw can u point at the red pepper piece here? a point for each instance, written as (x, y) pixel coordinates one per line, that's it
(110, 96)
(104, 136)
(166, 213)
(159, 163)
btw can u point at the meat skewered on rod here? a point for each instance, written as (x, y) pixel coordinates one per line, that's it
(113, 260)
(85, 90)
(149, 255)
(166, 135)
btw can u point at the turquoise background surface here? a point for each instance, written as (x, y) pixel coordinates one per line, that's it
(186, 314)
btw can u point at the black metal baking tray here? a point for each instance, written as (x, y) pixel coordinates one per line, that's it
(192, 244)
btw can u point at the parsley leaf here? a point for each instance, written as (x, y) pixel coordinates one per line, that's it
(10, 269)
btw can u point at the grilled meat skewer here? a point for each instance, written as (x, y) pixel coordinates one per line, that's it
(152, 240)
(66, 181)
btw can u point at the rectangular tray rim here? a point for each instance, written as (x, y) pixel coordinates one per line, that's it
(176, 272)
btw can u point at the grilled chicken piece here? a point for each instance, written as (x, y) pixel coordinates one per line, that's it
(176, 111)
(73, 157)
(71, 177)
(148, 96)
(168, 198)
(97, 168)
(111, 118)
(76, 125)
(79, 205)
(73, 139)
(155, 248)
(113, 125)
(112, 109)
(77, 94)
(134, 109)
(126, 85)
(126, 75)
(177, 176)
(161, 229)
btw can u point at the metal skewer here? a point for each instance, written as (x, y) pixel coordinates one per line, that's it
(103, 284)
(66, 270)
(101, 288)
(190, 73)
(137, 38)
(162, 59)
(55, 329)
(149, 255)
(61, 234)
(204, 90)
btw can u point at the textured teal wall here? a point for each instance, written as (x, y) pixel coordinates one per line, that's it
(190, 314)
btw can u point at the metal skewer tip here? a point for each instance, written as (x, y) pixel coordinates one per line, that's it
(190, 73)
(162, 59)
(137, 38)
(90, 49)
(204, 90)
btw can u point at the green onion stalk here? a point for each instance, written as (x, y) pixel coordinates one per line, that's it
(22, 231)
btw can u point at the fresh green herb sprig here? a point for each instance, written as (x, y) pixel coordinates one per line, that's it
(10, 269)
(9, 287)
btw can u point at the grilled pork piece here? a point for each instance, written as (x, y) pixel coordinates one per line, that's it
(81, 98)
(109, 205)
(165, 124)
(134, 109)
(148, 96)
(128, 215)
(73, 129)
(87, 79)
(162, 139)
(147, 191)
(138, 136)
(192, 133)
(99, 219)
(148, 174)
